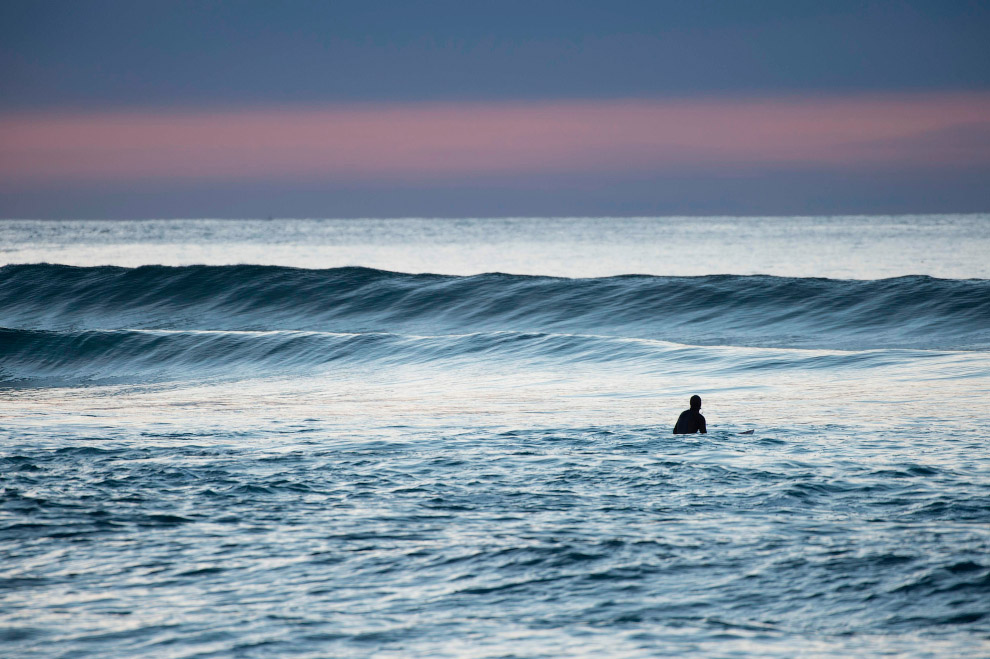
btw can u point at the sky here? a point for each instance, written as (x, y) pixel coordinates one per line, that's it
(334, 108)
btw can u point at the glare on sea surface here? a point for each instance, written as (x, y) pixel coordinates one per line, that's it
(844, 247)
(394, 399)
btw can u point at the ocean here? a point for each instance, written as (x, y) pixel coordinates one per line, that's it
(452, 438)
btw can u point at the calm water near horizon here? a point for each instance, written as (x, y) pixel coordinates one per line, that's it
(396, 438)
(845, 247)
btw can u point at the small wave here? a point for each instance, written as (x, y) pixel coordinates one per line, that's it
(38, 357)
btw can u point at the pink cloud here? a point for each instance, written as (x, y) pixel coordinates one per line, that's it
(456, 141)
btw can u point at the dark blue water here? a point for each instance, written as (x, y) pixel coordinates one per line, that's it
(273, 461)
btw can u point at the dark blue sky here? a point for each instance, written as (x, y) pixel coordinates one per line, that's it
(99, 56)
(98, 53)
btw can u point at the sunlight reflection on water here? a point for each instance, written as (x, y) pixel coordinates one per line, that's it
(855, 247)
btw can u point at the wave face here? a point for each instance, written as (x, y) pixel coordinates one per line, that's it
(764, 311)
(104, 323)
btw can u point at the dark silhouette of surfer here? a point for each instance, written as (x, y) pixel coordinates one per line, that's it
(691, 421)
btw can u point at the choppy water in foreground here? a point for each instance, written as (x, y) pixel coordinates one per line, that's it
(218, 460)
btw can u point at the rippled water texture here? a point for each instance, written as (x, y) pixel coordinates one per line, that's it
(321, 458)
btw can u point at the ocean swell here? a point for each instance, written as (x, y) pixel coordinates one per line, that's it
(916, 312)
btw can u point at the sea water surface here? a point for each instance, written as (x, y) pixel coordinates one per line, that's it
(411, 438)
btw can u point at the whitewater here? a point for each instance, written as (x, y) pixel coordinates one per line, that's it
(428, 437)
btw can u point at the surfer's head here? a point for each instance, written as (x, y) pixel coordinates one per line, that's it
(695, 402)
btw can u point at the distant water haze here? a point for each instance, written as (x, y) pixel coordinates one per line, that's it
(845, 247)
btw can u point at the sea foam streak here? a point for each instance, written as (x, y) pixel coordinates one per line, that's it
(46, 357)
